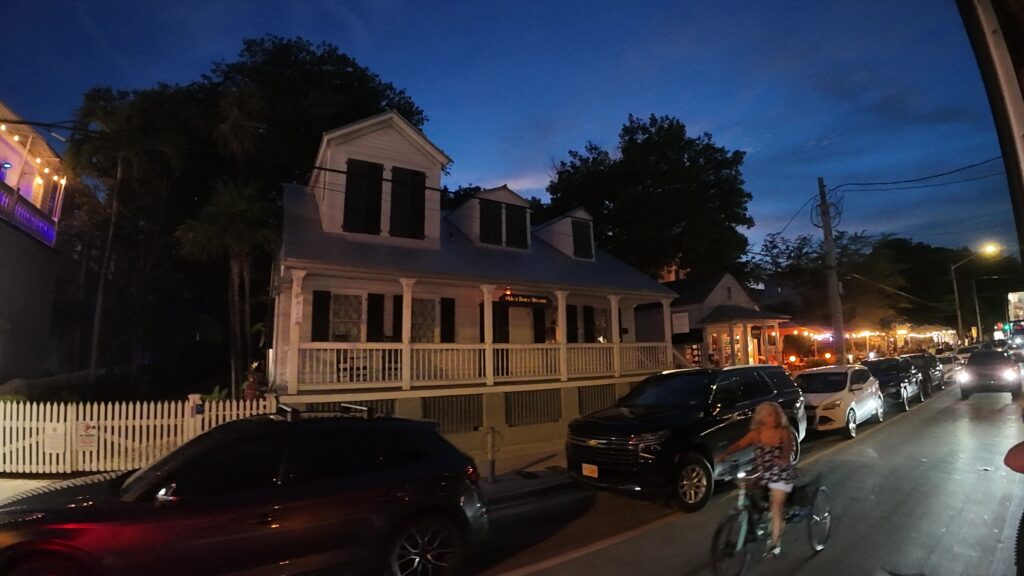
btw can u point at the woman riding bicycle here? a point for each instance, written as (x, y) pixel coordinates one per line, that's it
(773, 448)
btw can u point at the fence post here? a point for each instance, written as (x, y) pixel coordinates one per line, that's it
(194, 416)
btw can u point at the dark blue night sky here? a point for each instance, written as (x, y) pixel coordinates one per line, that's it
(872, 90)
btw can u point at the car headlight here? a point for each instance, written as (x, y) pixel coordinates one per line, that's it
(832, 405)
(962, 377)
(649, 444)
(1009, 374)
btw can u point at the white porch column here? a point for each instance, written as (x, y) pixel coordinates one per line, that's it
(733, 345)
(407, 284)
(666, 319)
(488, 290)
(613, 310)
(560, 337)
(745, 344)
(295, 331)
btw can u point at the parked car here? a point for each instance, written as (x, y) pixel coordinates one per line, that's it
(990, 371)
(668, 430)
(950, 365)
(930, 369)
(840, 398)
(265, 494)
(898, 379)
(965, 352)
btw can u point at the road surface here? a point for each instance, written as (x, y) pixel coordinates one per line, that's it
(924, 493)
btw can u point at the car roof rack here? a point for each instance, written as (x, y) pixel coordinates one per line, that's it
(295, 412)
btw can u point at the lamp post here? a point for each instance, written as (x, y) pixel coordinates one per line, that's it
(989, 249)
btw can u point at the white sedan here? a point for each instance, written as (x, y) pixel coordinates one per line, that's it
(840, 397)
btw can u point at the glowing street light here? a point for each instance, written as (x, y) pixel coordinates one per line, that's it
(988, 249)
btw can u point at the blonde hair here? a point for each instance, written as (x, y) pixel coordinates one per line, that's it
(763, 416)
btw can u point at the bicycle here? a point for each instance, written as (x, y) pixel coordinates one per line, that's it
(750, 522)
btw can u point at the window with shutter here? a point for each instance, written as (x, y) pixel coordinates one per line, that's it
(589, 328)
(374, 317)
(321, 316)
(582, 241)
(516, 234)
(408, 203)
(572, 334)
(447, 320)
(363, 185)
(490, 222)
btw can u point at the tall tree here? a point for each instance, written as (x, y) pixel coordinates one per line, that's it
(665, 198)
(234, 225)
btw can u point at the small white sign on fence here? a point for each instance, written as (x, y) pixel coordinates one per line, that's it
(87, 436)
(54, 438)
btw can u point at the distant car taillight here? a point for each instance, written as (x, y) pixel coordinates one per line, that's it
(472, 474)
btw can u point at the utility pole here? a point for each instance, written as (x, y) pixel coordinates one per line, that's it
(835, 305)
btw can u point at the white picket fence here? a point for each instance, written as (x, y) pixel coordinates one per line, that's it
(51, 438)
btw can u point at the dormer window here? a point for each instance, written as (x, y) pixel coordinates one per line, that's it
(408, 202)
(503, 224)
(582, 240)
(363, 185)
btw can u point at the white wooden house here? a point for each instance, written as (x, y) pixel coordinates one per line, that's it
(471, 317)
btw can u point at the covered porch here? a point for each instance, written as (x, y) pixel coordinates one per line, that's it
(736, 335)
(376, 333)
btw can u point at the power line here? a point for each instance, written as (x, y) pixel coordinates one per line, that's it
(922, 178)
(961, 181)
(793, 217)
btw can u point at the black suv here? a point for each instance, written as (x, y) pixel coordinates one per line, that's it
(667, 431)
(380, 495)
(990, 371)
(931, 371)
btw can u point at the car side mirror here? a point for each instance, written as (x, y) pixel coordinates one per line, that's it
(165, 496)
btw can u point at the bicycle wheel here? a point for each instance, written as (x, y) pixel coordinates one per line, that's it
(819, 521)
(730, 556)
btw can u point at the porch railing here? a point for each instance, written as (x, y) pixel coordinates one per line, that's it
(22, 213)
(353, 365)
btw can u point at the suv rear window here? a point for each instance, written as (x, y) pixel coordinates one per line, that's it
(674, 389)
(779, 379)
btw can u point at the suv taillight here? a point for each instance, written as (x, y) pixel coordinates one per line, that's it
(472, 474)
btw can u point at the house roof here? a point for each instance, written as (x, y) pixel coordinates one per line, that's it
(693, 290)
(459, 258)
(503, 194)
(729, 312)
(396, 120)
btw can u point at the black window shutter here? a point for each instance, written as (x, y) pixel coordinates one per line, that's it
(500, 311)
(571, 325)
(481, 322)
(589, 332)
(363, 185)
(515, 226)
(581, 240)
(490, 222)
(539, 336)
(321, 316)
(447, 320)
(396, 317)
(408, 202)
(374, 317)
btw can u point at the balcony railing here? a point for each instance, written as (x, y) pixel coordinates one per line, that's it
(19, 211)
(336, 365)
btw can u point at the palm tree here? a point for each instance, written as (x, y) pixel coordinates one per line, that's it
(235, 224)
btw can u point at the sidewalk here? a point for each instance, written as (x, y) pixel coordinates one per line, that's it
(523, 471)
(16, 483)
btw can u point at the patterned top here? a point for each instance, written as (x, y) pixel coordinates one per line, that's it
(767, 461)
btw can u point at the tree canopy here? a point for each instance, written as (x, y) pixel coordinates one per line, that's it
(664, 198)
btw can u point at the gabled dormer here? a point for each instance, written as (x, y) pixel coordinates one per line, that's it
(572, 233)
(379, 179)
(495, 217)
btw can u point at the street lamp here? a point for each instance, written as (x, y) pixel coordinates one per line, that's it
(989, 249)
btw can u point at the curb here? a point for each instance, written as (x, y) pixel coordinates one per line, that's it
(511, 487)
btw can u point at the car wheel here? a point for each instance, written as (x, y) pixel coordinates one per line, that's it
(851, 424)
(904, 400)
(48, 567)
(428, 545)
(920, 392)
(694, 483)
(794, 457)
(880, 413)
(964, 394)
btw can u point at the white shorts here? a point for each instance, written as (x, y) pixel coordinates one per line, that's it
(786, 487)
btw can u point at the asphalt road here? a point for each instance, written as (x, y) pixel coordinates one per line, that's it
(924, 493)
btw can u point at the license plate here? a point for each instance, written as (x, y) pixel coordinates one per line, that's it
(590, 470)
